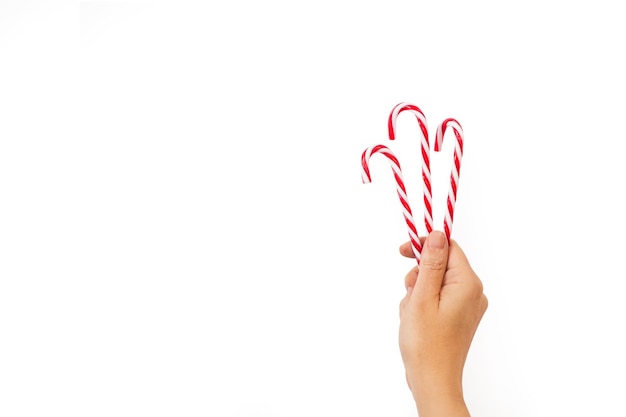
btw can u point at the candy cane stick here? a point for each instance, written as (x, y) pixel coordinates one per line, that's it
(397, 172)
(421, 119)
(456, 168)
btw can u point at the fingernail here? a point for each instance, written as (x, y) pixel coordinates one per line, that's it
(436, 240)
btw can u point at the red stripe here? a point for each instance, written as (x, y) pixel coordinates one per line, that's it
(423, 127)
(426, 157)
(411, 225)
(417, 244)
(405, 204)
(364, 164)
(399, 182)
(392, 133)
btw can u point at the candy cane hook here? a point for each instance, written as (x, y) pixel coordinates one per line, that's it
(456, 167)
(397, 172)
(421, 119)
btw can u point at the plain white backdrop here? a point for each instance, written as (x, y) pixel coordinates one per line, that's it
(184, 231)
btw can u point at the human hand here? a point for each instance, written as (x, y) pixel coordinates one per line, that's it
(439, 316)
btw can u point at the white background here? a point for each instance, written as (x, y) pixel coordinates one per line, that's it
(184, 231)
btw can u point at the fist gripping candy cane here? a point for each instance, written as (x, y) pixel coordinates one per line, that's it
(397, 173)
(421, 119)
(456, 167)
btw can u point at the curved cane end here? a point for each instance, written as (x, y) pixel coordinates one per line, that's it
(441, 131)
(365, 174)
(365, 169)
(393, 116)
(416, 111)
(391, 126)
(365, 161)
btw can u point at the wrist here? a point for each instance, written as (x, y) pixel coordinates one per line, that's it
(437, 403)
(439, 396)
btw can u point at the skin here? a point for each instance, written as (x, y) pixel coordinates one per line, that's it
(439, 315)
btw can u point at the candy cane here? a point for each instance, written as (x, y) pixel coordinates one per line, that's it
(421, 119)
(456, 168)
(397, 172)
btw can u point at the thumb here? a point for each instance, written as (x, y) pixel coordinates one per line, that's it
(432, 267)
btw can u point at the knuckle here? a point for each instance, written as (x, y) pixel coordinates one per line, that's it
(433, 263)
(478, 286)
(410, 278)
(402, 307)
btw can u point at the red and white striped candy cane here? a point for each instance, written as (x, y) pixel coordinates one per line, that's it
(397, 173)
(456, 168)
(421, 119)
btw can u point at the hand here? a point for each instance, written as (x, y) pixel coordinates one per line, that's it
(438, 319)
